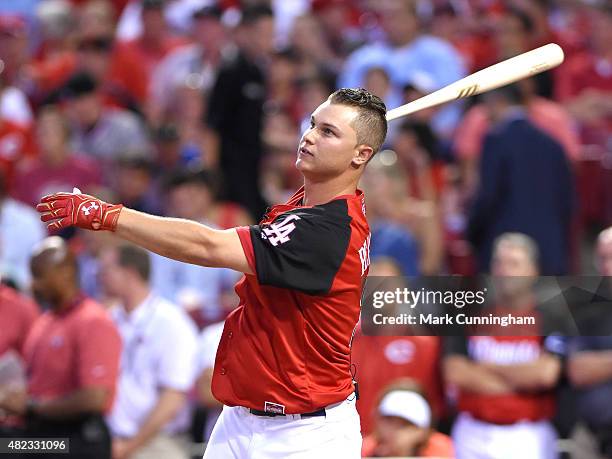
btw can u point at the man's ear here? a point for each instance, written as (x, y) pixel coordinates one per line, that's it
(362, 155)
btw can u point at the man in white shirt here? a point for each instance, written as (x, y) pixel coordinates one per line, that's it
(20, 231)
(157, 365)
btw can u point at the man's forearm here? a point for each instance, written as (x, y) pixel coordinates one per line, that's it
(205, 390)
(168, 405)
(540, 374)
(80, 402)
(175, 238)
(472, 377)
(590, 367)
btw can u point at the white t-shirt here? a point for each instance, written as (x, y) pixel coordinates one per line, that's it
(159, 351)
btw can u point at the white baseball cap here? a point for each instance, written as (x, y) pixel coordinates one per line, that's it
(407, 405)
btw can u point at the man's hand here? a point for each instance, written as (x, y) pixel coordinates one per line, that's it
(77, 209)
(122, 449)
(14, 402)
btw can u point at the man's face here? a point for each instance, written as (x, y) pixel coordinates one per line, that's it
(397, 437)
(190, 201)
(85, 109)
(513, 269)
(329, 146)
(112, 275)
(46, 282)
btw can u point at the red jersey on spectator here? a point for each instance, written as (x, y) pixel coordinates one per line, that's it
(581, 73)
(380, 360)
(18, 314)
(16, 143)
(507, 408)
(38, 179)
(286, 348)
(135, 78)
(73, 349)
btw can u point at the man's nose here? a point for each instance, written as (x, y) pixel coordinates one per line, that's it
(309, 136)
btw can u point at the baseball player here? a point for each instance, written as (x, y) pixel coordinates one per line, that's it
(283, 365)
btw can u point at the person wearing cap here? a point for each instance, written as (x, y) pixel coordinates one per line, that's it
(404, 425)
(103, 132)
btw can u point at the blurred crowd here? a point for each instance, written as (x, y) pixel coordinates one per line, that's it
(194, 109)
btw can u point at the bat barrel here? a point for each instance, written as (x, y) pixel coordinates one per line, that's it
(516, 68)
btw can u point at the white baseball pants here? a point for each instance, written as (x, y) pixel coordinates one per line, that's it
(474, 439)
(241, 435)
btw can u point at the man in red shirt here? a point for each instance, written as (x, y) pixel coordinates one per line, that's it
(505, 384)
(18, 314)
(72, 359)
(283, 364)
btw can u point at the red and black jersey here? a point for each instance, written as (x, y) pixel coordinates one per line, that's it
(286, 348)
(511, 350)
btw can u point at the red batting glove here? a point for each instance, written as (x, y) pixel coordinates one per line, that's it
(81, 210)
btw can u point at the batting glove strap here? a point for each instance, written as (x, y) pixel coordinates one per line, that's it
(61, 210)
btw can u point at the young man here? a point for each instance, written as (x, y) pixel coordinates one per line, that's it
(283, 364)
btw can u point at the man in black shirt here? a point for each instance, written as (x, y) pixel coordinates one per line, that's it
(235, 109)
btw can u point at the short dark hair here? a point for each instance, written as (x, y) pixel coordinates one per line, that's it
(251, 14)
(371, 123)
(131, 256)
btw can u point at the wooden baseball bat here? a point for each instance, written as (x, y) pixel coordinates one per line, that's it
(516, 68)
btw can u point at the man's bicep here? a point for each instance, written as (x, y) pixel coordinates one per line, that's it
(228, 251)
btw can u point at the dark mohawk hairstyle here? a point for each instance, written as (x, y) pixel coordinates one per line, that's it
(371, 122)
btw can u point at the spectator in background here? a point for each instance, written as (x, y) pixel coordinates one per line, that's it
(547, 115)
(203, 291)
(584, 83)
(404, 228)
(525, 185)
(102, 132)
(20, 231)
(154, 43)
(149, 416)
(14, 105)
(55, 58)
(194, 64)
(96, 50)
(72, 359)
(313, 50)
(381, 359)
(135, 184)
(407, 51)
(14, 53)
(235, 110)
(56, 166)
(279, 175)
(16, 144)
(18, 313)
(505, 383)
(590, 360)
(405, 425)
(377, 82)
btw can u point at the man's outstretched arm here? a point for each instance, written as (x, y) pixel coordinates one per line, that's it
(182, 240)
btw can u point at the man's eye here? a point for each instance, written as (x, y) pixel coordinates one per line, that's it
(328, 131)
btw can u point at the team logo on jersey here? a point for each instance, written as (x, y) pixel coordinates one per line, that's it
(276, 408)
(88, 210)
(278, 233)
(364, 254)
